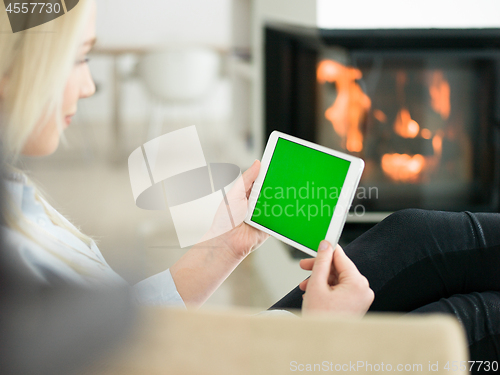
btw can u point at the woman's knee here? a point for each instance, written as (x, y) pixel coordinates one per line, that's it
(406, 222)
(407, 216)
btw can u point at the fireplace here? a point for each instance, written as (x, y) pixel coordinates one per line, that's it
(421, 107)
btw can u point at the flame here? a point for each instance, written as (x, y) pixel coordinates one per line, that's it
(405, 126)
(439, 89)
(410, 169)
(351, 104)
(379, 115)
(426, 133)
(437, 145)
(403, 167)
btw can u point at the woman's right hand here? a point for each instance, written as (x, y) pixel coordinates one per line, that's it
(335, 286)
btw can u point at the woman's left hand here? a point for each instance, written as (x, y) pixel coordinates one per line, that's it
(335, 286)
(243, 239)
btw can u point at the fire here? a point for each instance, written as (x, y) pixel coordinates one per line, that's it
(405, 126)
(426, 133)
(403, 167)
(410, 169)
(351, 104)
(437, 145)
(439, 89)
(379, 115)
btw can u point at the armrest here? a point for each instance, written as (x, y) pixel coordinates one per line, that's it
(209, 342)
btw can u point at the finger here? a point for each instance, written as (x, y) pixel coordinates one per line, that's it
(307, 264)
(251, 174)
(334, 274)
(342, 263)
(303, 285)
(322, 264)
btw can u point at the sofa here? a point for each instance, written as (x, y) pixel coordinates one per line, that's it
(175, 341)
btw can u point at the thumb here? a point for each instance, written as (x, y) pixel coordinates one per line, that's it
(342, 262)
(322, 264)
(250, 175)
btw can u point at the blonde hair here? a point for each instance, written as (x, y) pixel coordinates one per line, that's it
(35, 65)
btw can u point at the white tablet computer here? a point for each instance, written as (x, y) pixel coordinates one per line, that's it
(303, 192)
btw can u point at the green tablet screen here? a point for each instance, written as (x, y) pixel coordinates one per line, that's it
(300, 192)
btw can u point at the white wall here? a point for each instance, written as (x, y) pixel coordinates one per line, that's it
(367, 14)
(298, 12)
(139, 23)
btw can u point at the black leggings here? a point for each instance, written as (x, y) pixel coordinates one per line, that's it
(431, 261)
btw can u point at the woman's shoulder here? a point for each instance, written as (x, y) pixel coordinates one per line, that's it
(29, 259)
(49, 261)
(42, 241)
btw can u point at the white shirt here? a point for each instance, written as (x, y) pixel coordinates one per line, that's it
(51, 253)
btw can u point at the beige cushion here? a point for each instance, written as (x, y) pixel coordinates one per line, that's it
(169, 341)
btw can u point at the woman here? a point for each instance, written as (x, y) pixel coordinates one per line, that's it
(412, 259)
(43, 74)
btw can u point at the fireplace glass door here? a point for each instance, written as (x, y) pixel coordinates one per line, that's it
(422, 122)
(421, 107)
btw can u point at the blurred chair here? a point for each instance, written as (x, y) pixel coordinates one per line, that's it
(178, 79)
(228, 342)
